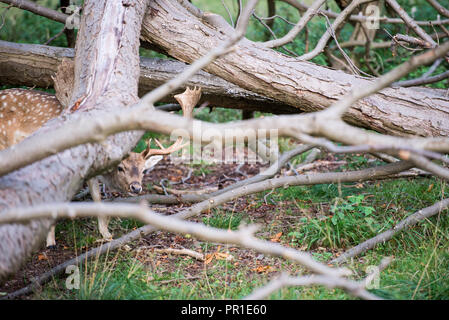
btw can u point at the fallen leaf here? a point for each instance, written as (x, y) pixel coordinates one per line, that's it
(209, 258)
(277, 237)
(221, 256)
(218, 255)
(42, 256)
(179, 239)
(262, 269)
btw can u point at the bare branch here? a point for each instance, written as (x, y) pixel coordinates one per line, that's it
(411, 23)
(337, 23)
(363, 19)
(374, 173)
(427, 165)
(243, 237)
(259, 183)
(208, 203)
(307, 86)
(354, 288)
(271, 171)
(423, 80)
(345, 103)
(442, 10)
(99, 127)
(188, 252)
(38, 9)
(310, 13)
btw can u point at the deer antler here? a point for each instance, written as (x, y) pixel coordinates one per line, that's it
(188, 100)
(163, 151)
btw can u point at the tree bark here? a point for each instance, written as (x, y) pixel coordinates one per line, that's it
(106, 75)
(33, 65)
(309, 87)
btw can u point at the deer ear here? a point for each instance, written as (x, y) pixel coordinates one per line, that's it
(152, 161)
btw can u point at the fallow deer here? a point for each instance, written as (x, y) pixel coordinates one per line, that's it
(24, 111)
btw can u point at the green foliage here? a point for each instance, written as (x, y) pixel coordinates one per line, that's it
(129, 224)
(332, 217)
(74, 233)
(420, 273)
(218, 115)
(143, 142)
(26, 27)
(349, 222)
(201, 169)
(356, 162)
(223, 220)
(322, 256)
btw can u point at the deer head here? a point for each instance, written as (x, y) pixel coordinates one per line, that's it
(128, 175)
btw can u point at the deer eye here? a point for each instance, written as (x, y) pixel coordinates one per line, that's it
(120, 169)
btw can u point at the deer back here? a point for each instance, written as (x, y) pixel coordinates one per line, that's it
(24, 111)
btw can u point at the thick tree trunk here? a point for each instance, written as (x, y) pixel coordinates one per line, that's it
(307, 86)
(33, 65)
(106, 75)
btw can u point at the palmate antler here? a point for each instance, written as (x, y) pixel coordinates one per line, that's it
(188, 100)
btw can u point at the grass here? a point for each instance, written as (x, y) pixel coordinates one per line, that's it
(305, 217)
(227, 220)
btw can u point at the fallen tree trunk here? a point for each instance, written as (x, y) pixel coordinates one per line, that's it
(109, 72)
(309, 87)
(33, 65)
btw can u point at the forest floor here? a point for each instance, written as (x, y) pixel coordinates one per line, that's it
(298, 217)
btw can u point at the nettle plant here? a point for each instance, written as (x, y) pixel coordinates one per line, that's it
(349, 222)
(352, 206)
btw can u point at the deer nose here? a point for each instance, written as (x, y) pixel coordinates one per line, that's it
(135, 187)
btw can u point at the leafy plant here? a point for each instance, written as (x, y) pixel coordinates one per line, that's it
(350, 222)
